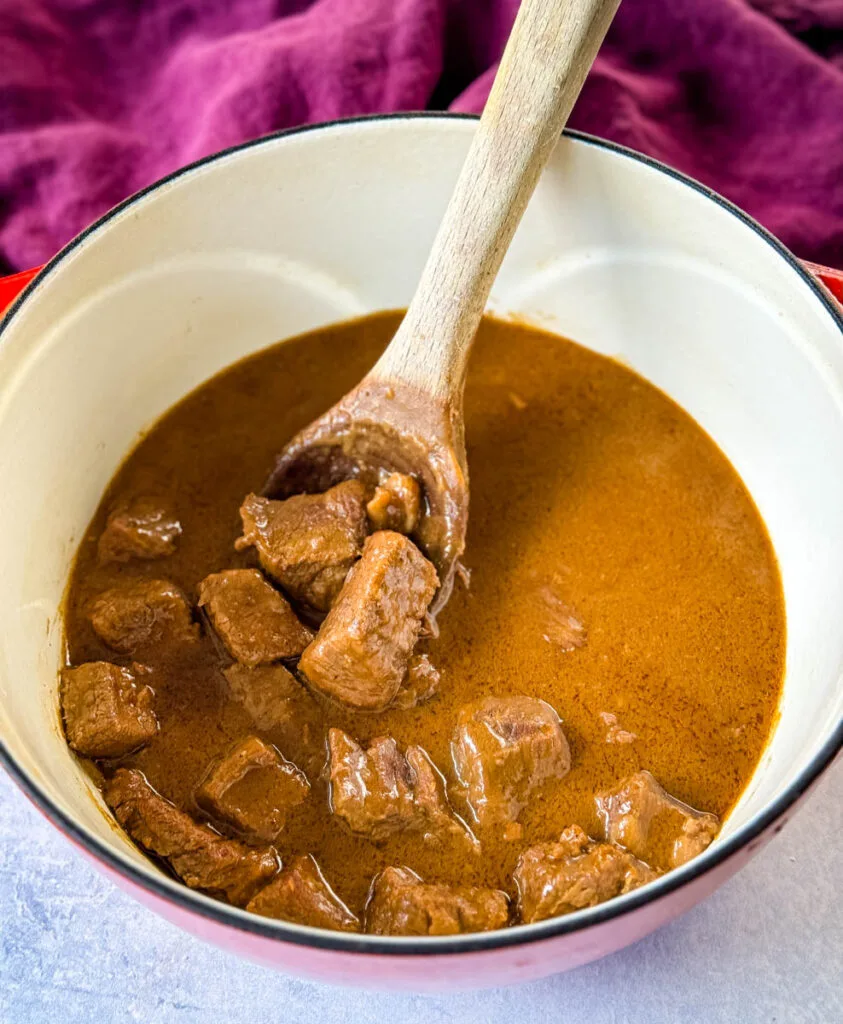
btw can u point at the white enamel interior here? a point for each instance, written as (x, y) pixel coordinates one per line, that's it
(324, 225)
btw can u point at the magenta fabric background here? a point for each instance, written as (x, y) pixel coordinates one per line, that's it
(100, 97)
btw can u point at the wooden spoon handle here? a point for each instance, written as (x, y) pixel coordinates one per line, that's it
(550, 50)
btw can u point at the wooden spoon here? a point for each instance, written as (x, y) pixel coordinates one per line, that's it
(407, 414)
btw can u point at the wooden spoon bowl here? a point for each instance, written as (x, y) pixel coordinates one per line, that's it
(384, 426)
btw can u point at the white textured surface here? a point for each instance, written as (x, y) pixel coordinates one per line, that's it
(767, 947)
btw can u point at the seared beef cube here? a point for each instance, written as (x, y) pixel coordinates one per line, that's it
(400, 903)
(201, 857)
(395, 505)
(371, 790)
(655, 826)
(420, 684)
(107, 710)
(300, 894)
(145, 616)
(361, 653)
(380, 791)
(140, 528)
(274, 698)
(308, 543)
(252, 619)
(253, 789)
(503, 749)
(433, 815)
(575, 872)
(279, 704)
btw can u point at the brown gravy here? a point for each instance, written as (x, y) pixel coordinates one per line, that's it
(619, 570)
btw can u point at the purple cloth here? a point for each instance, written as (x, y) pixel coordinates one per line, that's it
(100, 97)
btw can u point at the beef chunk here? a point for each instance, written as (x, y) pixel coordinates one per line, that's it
(400, 903)
(371, 790)
(145, 616)
(380, 791)
(300, 894)
(140, 528)
(361, 653)
(432, 811)
(269, 693)
(420, 684)
(107, 710)
(201, 857)
(280, 705)
(252, 619)
(253, 789)
(575, 872)
(396, 504)
(277, 702)
(655, 826)
(503, 749)
(308, 543)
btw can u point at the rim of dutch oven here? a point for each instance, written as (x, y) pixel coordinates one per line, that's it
(156, 882)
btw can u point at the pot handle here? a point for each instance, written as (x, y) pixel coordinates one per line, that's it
(10, 287)
(832, 279)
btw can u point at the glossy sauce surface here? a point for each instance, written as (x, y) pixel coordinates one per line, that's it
(619, 571)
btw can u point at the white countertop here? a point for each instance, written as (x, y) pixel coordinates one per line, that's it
(767, 947)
